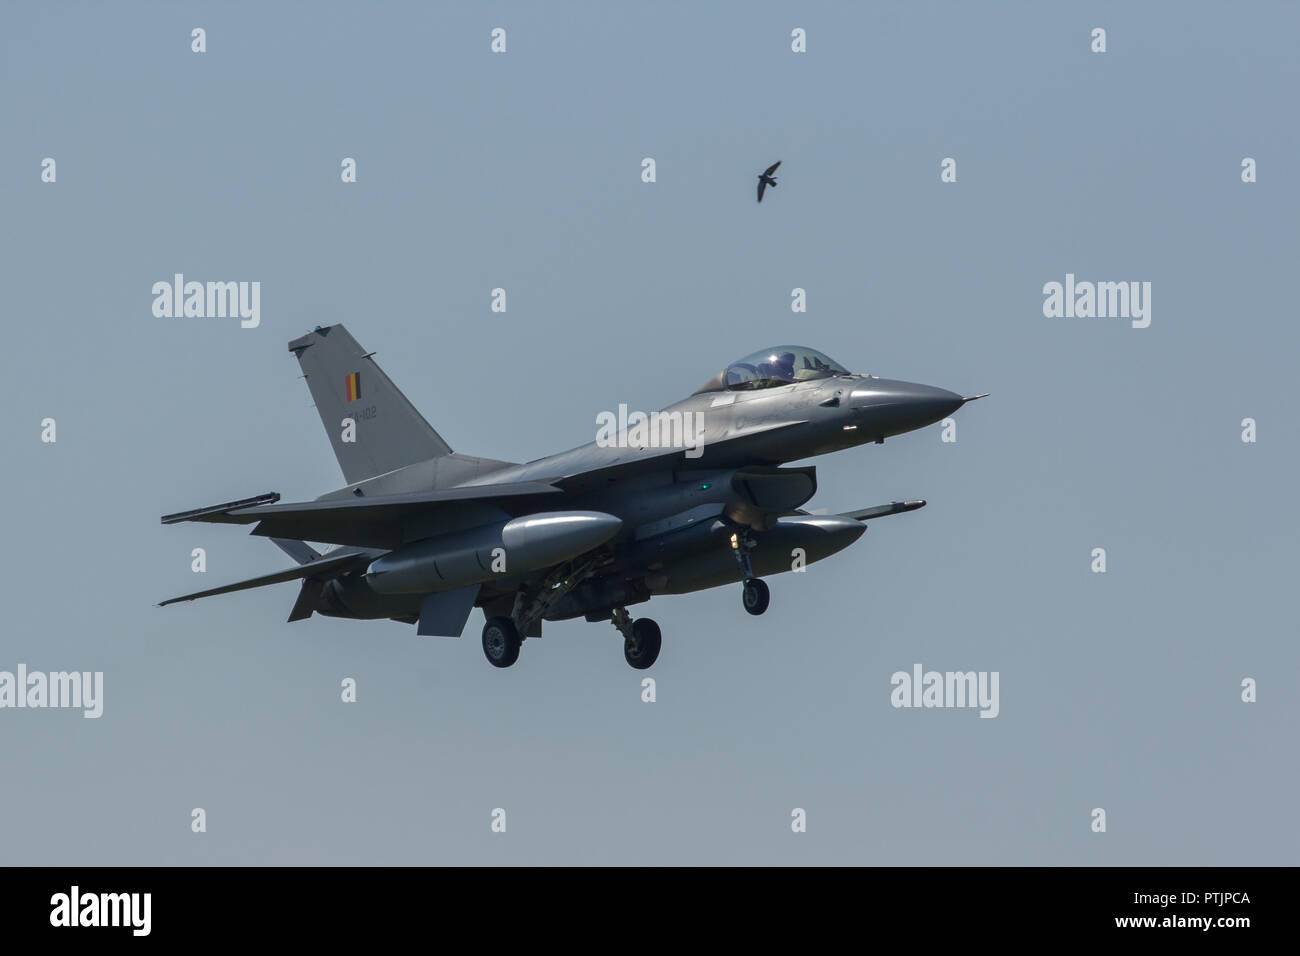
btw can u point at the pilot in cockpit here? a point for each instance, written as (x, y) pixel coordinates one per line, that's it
(781, 368)
(774, 367)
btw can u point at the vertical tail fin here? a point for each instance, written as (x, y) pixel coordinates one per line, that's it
(387, 432)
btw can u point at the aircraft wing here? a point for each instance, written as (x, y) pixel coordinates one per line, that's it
(327, 567)
(378, 521)
(879, 511)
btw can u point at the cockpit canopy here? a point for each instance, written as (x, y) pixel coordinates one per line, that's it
(782, 365)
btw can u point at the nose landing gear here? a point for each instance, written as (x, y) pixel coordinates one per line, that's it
(756, 594)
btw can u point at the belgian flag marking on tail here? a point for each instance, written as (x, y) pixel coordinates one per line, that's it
(353, 386)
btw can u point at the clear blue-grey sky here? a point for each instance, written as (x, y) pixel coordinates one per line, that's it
(522, 170)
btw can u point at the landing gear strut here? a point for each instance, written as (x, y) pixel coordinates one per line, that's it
(756, 595)
(641, 638)
(502, 635)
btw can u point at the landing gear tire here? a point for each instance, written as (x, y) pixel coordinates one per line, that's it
(756, 596)
(500, 642)
(642, 649)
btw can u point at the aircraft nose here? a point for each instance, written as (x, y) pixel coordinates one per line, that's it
(897, 407)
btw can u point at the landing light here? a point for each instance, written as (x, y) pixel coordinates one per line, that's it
(850, 428)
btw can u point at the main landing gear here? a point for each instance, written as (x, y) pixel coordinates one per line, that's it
(502, 635)
(756, 596)
(500, 642)
(641, 638)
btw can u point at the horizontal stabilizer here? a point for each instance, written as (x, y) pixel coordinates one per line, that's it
(879, 511)
(328, 567)
(199, 514)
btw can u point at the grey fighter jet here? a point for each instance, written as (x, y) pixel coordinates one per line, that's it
(694, 496)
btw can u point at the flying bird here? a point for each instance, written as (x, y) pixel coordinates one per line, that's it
(766, 179)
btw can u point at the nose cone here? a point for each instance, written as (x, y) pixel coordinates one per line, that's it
(892, 408)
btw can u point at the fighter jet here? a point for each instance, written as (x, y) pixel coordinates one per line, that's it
(766, 179)
(695, 496)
